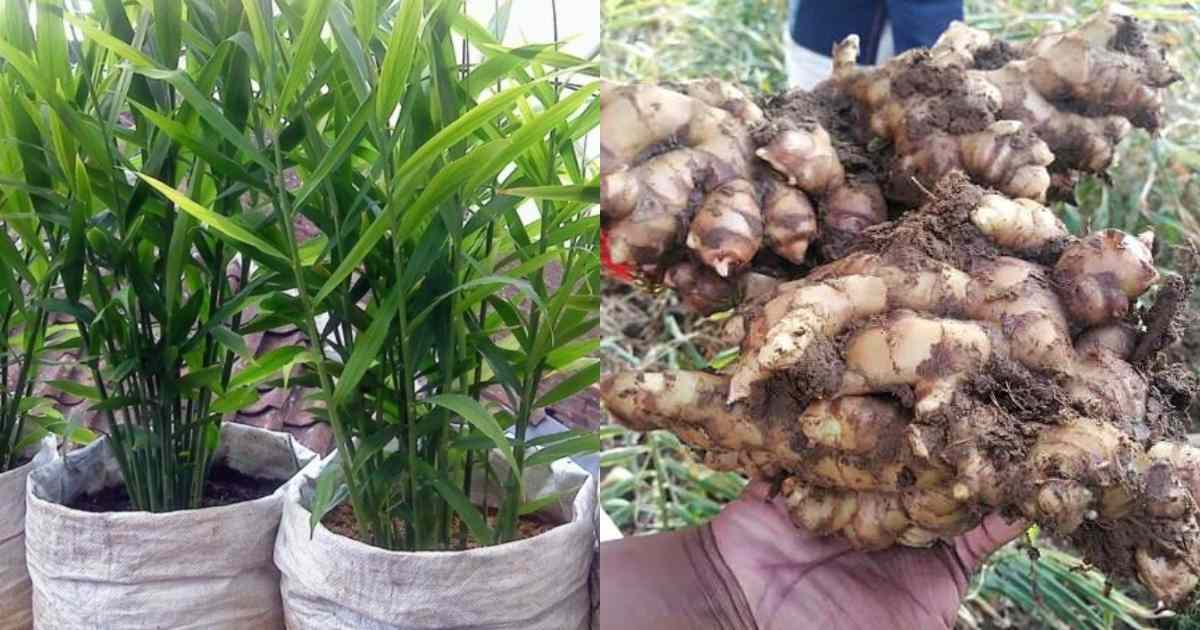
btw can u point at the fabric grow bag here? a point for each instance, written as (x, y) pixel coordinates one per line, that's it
(332, 582)
(205, 569)
(16, 605)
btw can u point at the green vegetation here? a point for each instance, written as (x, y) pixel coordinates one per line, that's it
(28, 270)
(387, 177)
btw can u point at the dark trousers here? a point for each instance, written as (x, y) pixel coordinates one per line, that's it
(818, 24)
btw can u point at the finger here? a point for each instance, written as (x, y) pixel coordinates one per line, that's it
(993, 533)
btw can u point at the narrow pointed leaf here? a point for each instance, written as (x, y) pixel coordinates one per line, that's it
(367, 346)
(570, 386)
(473, 412)
(587, 193)
(460, 503)
(330, 492)
(234, 400)
(209, 112)
(79, 390)
(52, 44)
(302, 52)
(398, 62)
(216, 221)
(347, 139)
(267, 366)
(226, 337)
(168, 31)
(113, 44)
(201, 147)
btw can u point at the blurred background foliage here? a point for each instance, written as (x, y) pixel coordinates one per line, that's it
(653, 483)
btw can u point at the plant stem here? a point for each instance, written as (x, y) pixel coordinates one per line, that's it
(316, 345)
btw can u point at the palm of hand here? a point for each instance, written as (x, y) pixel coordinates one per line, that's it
(794, 579)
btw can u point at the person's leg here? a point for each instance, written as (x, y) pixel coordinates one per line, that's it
(918, 23)
(816, 25)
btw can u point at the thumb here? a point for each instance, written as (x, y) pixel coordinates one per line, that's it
(993, 533)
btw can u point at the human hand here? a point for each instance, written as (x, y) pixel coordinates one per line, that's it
(792, 578)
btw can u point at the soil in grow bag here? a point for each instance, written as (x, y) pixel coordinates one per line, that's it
(340, 520)
(225, 486)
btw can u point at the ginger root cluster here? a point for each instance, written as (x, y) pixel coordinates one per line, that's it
(972, 357)
(900, 379)
(700, 184)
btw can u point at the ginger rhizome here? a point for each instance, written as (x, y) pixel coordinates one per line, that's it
(699, 190)
(1007, 115)
(698, 174)
(968, 357)
(922, 341)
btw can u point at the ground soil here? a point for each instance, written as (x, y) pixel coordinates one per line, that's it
(340, 520)
(1166, 352)
(225, 486)
(1165, 318)
(953, 107)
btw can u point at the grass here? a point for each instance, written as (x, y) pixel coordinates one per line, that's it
(653, 483)
(1026, 583)
(652, 40)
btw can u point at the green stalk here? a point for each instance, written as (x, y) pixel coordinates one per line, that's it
(9, 440)
(128, 472)
(449, 364)
(513, 488)
(489, 237)
(410, 418)
(512, 485)
(344, 444)
(314, 339)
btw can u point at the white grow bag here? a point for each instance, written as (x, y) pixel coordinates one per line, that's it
(331, 582)
(16, 605)
(207, 569)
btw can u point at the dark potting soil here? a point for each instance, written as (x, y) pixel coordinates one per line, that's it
(225, 486)
(340, 520)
